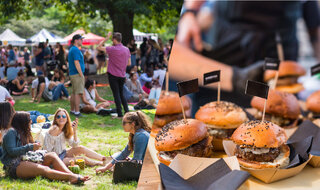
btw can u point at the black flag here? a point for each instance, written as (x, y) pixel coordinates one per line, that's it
(187, 87)
(259, 89)
(271, 63)
(315, 69)
(211, 77)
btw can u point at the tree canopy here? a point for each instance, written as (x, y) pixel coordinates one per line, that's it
(98, 16)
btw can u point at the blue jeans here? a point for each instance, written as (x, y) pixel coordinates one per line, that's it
(57, 90)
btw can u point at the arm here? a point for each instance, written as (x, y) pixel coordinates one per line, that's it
(123, 155)
(100, 46)
(73, 142)
(195, 62)
(129, 62)
(98, 97)
(78, 67)
(140, 146)
(41, 89)
(16, 82)
(146, 78)
(9, 143)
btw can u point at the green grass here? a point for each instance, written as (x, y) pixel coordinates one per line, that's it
(102, 134)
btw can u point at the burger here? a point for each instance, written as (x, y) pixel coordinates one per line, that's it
(261, 144)
(188, 137)
(313, 105)
(282, 108)
(169, 109)
(289, 72)
(221, 119)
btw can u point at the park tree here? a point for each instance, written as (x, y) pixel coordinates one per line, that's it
(121, 12)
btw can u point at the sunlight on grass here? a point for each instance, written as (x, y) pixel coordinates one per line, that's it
(99, 133)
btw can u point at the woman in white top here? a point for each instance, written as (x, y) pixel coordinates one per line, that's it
(63, 131)
(88, 100)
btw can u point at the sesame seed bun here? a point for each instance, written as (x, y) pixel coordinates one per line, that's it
(170, 103)
(259, 134)
(313, 102)
(279, 103)
(286, 68)
(180, 134)
(225, 115)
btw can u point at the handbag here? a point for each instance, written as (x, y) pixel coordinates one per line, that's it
(126, 171)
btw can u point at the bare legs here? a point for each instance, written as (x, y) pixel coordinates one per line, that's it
(92, 109)
(60, 172)
(89, 154)
(75, 102)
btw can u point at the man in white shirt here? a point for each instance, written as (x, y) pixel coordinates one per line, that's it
(159, 73)
(4, 95)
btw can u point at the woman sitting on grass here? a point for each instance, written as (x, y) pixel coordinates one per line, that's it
(19, 86)
(139, 126)
(6, 114)
(18, 141)
(62, 131)
(88, 100)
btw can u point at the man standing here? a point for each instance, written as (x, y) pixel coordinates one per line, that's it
(119, 59)
(76, 72)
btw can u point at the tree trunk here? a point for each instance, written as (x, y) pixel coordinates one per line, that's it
(123, 23)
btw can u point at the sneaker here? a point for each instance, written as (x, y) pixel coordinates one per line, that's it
(71, 112)
(78, 115)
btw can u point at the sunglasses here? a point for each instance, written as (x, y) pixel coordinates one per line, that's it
(61, 116)
(125, 122)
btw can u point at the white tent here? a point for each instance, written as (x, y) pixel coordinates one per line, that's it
(138, 36)
(9, 37)
(44, 34)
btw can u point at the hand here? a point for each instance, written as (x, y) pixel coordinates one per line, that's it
(189, 30)
(109, 35)
(75, 125)
(36, 146)
(241, 75)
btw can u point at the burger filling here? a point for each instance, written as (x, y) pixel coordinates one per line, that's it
(201, 149)
(284, 81)
(221, 133)
(314, 115)
(278, 120)
(257, 154)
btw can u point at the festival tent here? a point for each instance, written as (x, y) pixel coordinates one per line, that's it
(89, 38)
(9, 37)
(138, 36)
(44, 34)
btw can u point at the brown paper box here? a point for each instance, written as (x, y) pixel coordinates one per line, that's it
(266, 175)
(187, 166)
(315, 161)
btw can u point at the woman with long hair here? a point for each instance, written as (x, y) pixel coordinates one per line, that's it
(135, 87)
(18, 141)
(64, 131)
(6, 114)
(139, 126)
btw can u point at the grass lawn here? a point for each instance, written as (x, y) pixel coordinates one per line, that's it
(102, 134)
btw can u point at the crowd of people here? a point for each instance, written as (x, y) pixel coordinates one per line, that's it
(134, 75)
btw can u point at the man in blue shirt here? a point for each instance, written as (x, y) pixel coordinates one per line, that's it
(76, 72)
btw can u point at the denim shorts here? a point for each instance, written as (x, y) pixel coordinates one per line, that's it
(62, 155)
(11, 169)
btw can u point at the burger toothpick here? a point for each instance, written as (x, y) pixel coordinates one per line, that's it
(213, 77)
(187, 87)
(280, 55)
(259, 89)
(167, 83)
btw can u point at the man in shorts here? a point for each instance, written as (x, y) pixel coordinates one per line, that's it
(76, 73)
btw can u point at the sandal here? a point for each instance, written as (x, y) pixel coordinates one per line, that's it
(79, 181)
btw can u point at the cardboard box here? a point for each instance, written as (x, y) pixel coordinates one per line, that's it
(268, 175)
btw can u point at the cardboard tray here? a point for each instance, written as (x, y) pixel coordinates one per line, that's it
(267, 175)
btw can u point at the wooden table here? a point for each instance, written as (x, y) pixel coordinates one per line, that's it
(149, 177)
